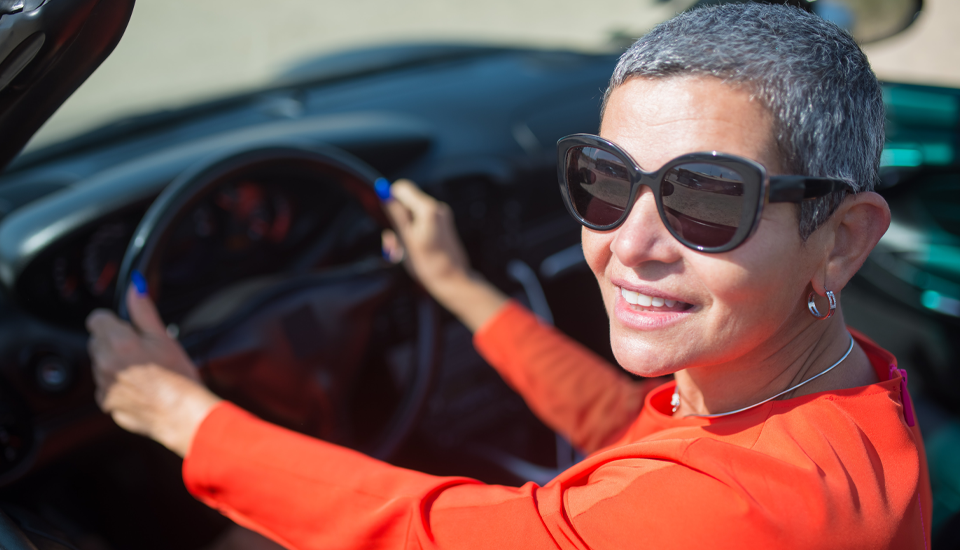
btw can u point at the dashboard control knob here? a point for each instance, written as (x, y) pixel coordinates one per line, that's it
(53, 373)
(50, 370)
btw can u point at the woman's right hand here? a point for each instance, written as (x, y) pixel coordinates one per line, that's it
(145, 380)
(432, 252)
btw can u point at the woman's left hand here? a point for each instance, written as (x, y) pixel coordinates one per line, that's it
(434, 254)
(145, 380)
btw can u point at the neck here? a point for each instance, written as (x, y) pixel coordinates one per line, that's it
(773, 367)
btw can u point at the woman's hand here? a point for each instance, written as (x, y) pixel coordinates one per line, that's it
(145, 380)
(432, 250)
(433, 253)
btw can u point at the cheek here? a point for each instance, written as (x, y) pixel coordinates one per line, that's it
(740, 298)
(771, 265)
(754, 291)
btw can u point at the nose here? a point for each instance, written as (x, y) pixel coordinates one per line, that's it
(642, 237)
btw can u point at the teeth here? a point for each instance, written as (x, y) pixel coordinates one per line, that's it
(637, 299)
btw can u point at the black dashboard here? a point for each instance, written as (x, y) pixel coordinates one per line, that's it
(245, 228)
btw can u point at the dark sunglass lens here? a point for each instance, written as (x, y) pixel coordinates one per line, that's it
(598, 183)
(704, 202)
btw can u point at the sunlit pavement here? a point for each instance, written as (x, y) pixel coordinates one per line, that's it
(179, 51)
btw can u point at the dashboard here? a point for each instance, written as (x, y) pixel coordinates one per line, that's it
(244, 228)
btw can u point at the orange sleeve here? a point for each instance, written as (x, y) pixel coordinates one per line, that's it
(797, 484)
(305, 493)
(571, 389)
(308, 494)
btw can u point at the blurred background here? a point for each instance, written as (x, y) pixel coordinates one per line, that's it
(178, 52)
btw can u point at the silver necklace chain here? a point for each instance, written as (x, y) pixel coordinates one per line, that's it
(675, 400)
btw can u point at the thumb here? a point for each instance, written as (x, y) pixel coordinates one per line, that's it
(399, 214)
(412, 197)
(143, 313)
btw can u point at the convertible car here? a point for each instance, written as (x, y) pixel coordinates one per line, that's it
(256, 221)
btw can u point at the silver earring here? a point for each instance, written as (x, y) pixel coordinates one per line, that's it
(812, 306)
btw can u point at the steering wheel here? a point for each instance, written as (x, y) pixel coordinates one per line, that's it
(338, 351)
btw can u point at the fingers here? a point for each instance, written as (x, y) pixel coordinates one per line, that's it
(400, 215)
(392, 248)
(412, 209)
(103, 324)
(409, 195)
(110, 338)
(106, 331)
(143, 313)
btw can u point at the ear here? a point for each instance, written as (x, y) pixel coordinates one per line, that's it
(849, 237)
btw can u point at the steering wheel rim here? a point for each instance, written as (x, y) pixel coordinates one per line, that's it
(182, 191)
(355, 177)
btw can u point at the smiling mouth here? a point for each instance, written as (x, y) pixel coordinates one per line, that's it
(642, 302)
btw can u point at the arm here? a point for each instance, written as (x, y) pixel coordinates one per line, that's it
(300, 491)
(306, 494)
(571, 389)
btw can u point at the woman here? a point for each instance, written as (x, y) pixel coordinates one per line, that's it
(781, 430)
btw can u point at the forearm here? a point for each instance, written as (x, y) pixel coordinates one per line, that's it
(570, 388)
(470, 297)
(306, 493)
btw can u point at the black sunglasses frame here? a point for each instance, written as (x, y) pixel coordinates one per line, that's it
(758, 188)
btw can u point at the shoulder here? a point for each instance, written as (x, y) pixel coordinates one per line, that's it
(789, 478)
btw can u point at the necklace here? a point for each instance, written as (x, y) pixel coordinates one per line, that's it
(675, 400)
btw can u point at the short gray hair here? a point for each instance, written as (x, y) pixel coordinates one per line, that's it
(810, 74)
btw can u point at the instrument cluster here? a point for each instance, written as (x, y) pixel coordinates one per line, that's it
(241, 229)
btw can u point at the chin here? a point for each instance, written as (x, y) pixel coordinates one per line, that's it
(638, 357)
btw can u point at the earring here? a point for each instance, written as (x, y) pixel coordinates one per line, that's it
(812, 305)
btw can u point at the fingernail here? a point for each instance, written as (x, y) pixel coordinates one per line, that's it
(382, 187)
(139, 282)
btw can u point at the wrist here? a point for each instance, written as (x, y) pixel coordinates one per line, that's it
(177, 429)
(470, 297)
(446, 288)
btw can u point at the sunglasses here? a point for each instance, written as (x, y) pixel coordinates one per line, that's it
(710, 202)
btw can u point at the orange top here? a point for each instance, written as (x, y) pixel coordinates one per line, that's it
(838, 469)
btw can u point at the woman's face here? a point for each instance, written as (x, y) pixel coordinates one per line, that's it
(731, 308)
